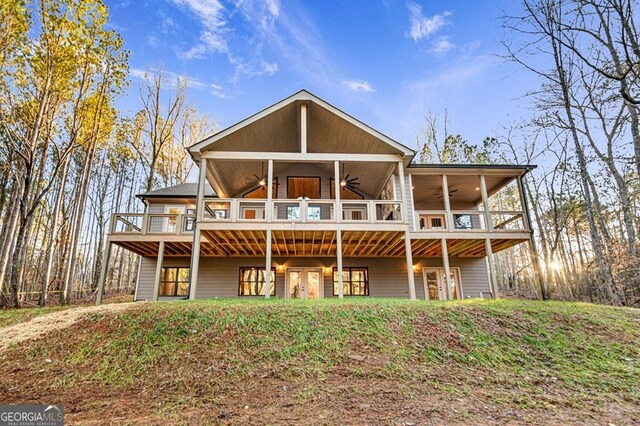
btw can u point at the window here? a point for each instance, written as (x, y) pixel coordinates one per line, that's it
(355, 281)
(252, 281)
(314, 212)
(174, 282)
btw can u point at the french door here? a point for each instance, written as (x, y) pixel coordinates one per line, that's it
(435, 284)
(304, 283)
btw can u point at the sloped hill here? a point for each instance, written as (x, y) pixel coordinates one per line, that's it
(357, 362)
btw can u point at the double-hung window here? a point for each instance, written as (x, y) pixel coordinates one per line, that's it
(355, 281)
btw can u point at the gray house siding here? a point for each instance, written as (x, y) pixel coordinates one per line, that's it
(218, 277)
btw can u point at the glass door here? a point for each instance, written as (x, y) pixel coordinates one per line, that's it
(305, 283)
(435, 284)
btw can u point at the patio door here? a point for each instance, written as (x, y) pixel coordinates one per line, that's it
(435, 284)
(304, 283)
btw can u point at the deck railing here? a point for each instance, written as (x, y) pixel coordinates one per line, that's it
(303, 211)
(469, 221)
(152, 223)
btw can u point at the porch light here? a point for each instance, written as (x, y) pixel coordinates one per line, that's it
(415, 268)
(327, 269)
(280, 268)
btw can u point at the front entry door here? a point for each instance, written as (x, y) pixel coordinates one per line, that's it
(305, 283)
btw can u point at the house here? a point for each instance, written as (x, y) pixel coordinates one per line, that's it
(301, 200)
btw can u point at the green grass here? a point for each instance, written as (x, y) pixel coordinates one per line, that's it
(505, 353)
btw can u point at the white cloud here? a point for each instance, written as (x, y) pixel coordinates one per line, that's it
(172, 78)
(441, 45)
(210, 13)
(424, 26)
(358, 86)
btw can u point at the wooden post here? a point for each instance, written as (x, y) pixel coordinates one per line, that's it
(269, 215)
(409, 256)
(447, 269)
(160, 261)
(492, 274)
(447, 203)
(336, 190)
(267, 276)
(524, 205)
(103, 272)
(195, 263)
(485, 202)
(303, 128)
(197, 234)
(202, 177)
(415, 219)
(403, 190)
(339, 261)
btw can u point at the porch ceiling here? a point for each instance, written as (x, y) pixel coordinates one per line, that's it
(240, 176)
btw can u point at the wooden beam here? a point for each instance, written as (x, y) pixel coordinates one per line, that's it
(409, 258)
(195, 263)
(159, 262)
(300, 157)
(339, 262)
(445, 263)
(492, 272)
(267, 276)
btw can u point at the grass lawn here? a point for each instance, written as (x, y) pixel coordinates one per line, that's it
(358, 361)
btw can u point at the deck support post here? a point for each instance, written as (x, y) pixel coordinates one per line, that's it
(447, 269)
(403, 190)
(160, 261)
(103, 272)
(485, 203)
(267, 275)
(409, 256)
(492, 271)
(339, 262)
(195, 263)
(269, 212)
(447, 204)
(197, 234)
(336, 190)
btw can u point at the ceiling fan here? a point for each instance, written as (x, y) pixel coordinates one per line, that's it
(451, 192)
(347, 182)
(262, 181)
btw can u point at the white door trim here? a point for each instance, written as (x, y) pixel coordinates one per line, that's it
(442, 281)
(303, 281)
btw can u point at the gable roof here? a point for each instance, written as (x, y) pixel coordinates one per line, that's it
(185, 190)
(302, 95)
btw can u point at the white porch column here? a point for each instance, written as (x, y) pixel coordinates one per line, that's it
(336, 190)
(447, 203)
(523, 204)
(269, 212)
(160, 261)
(403, 190)
(103, 272)
(447, 269)
(197, 234)
(339, 261)
(267, 276)
(485, 202)
(409, 256)
(492, 271)
(303, 128)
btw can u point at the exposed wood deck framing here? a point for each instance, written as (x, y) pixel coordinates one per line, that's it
(316, 243)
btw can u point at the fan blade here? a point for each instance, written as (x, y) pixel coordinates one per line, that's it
(257, 177)
(353, 183)
(346, 177)
(453, 190)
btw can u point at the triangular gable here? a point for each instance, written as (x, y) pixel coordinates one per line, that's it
(283, 108)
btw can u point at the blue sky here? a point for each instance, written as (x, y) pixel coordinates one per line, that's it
(386, 62)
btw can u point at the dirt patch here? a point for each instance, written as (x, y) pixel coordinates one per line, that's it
(39, 326)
